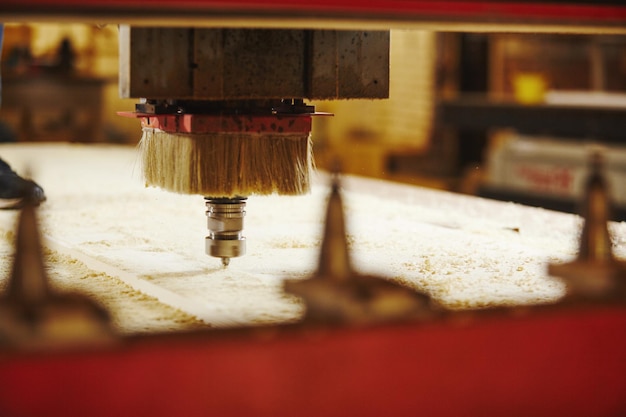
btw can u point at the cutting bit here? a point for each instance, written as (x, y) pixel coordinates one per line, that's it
(225, 224)
(337, 294)
(595, 274)
(33, 316)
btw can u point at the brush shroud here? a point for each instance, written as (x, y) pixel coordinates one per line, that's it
(227, 155)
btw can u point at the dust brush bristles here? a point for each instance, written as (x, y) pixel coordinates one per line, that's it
(227, 164)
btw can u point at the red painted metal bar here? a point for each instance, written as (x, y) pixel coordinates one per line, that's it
(554, 363)
(600, 12)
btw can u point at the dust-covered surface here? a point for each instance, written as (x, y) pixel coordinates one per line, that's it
(465, 252)
(130, 311)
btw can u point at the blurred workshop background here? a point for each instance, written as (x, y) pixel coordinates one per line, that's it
(59, 83)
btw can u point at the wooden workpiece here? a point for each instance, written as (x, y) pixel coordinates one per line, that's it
(140, 251)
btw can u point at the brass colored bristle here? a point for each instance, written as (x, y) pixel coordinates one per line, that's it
(227, 164)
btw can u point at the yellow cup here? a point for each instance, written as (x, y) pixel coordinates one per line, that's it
(529, 87)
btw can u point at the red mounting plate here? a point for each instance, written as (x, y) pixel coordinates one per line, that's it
(211, 123)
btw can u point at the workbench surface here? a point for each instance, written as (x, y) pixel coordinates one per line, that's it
(140, 251)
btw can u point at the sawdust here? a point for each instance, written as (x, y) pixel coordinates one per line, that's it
(130, 310)
(465, 252)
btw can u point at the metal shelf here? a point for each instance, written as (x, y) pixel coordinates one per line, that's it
(599, 123)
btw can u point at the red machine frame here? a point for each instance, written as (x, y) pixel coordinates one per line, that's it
(542, 363)
(581, 12)
(563, 362)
